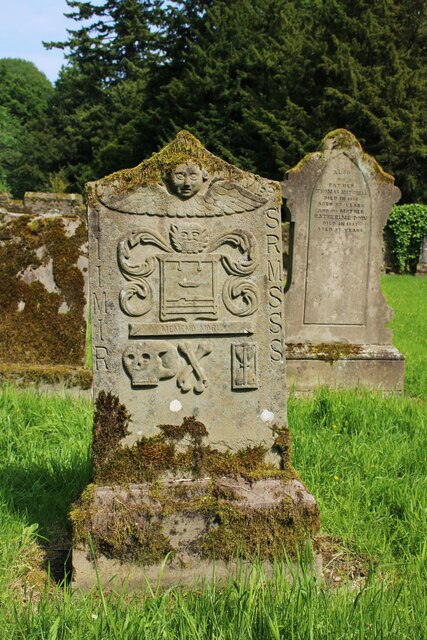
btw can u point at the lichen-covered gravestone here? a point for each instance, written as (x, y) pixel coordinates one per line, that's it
(422, 261)
(43, 290)
(339, 200)
(191, 450)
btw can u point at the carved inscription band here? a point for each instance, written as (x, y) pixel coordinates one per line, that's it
(275, 285)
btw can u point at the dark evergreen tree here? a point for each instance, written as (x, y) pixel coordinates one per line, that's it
(98, 94)
(260, 82)
(371, 78)
(236, 81)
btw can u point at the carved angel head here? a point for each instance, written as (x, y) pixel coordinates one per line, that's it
(186, 180)
(188, 237)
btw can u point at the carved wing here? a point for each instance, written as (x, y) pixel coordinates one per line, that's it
(222, 198)
(151, 200)
(225, 198)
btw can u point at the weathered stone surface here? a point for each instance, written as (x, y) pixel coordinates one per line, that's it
(189, 375)
(43, 294)
(373, 367)
(204, 528)
(187, 300)
(339, 200)
(129, 577)
(422, 262)
(64, 204)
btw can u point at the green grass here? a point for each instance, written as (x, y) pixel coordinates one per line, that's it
(361, 454)
(407, 295)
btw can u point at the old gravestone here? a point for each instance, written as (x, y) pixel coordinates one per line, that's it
(422, 261)
(191, 451)
(43, 291)
(339, 200)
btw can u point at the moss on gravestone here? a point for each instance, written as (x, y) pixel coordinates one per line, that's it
(43, 327)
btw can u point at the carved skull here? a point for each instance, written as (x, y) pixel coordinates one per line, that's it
(149, 361)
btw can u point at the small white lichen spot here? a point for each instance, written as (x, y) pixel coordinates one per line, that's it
(266, 415)
(175, 406)
(21, 305)
(64, 308)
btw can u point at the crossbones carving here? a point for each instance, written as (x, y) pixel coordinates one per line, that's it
(183, 377)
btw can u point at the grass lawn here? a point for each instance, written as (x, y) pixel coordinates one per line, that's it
(362, 455)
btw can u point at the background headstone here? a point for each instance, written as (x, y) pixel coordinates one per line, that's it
(339, 200)
(422, 262)
(43, 292)
(189, 373)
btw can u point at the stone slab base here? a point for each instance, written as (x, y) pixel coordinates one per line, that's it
(186, 531)
(53, 378)
(128, 577)
(378, 367)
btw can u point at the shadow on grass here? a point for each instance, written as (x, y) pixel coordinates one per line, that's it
(43, 494)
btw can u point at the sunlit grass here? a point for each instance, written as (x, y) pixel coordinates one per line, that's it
(361, 454)
(407, 295)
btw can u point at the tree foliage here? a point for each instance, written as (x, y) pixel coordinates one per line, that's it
(24, 90)
(260, 82)
(98, 97)
(10, 140)
(266, 80)
(24, 97)
(406, 228)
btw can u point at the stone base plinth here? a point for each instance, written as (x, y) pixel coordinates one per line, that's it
(186, 531)
(342, 365)
(130, 577)
(46, 377)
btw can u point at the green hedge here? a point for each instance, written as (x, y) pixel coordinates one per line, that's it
(405, 230)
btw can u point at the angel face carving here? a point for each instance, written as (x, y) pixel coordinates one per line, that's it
(188, 237)
(191, 193)
(186, 180)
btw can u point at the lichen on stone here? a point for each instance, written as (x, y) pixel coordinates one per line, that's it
(173, 494)
(38, 333)
(183, 149)
(327, 351)
(342, 140)
(252, 533)
(222, 518)
(151, 458)
(28, 374)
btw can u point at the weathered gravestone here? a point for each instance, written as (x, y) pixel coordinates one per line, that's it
(339, 200)
(191, 450)
(43, 290)
(422, 261)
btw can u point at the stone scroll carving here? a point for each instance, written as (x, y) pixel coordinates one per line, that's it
(188, 272)
(240, 295)
(136, 298)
